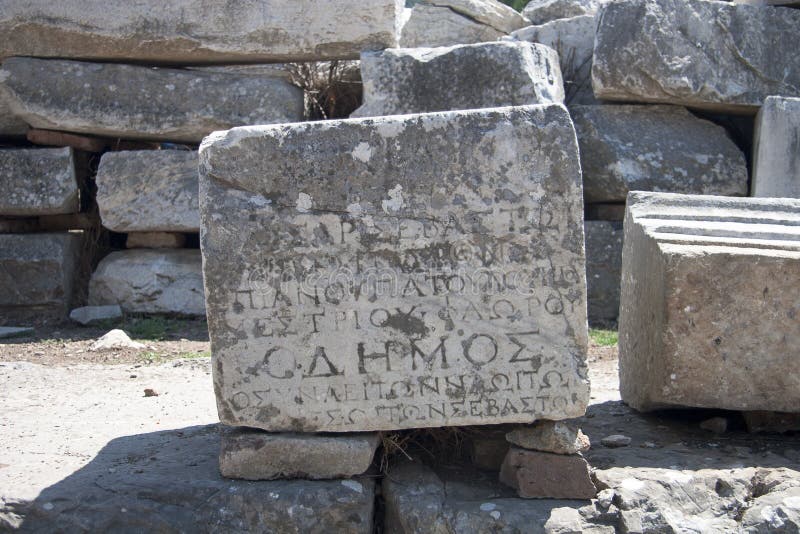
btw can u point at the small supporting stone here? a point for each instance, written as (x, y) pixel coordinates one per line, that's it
(550, 436)
(72, 221)
(544, 475)
(89, 315)
(256, 455)
(155, 240)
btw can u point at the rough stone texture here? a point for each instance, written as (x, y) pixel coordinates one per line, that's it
(789, 3)
(197, 31)
(709, 305)
(37, 274)
(113, 340)
(660, 51)
(573, 39)
(88, 315)
(10, 126)
(256, 455)
(144, 103)
(38, 181)
(488, 452)
(603, 270)
(155, 240)
(776, 155)
(149, 191)
(432, 26)
(150, 281)
(408, 271)
(409, 80)
(771, 422)
(543, 475)
(544, 11)
(550, 436)
(492, 13)
(655, 148)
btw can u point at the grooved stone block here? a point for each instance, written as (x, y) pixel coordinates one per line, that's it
(710, 303)
(37, 273)
(37, 182)
(150, 281)
(257, 455)
(697, 53)
(418, 80)
(396, 272)
(197, 31)
(149, 191)
(776, 155)
(138, 102)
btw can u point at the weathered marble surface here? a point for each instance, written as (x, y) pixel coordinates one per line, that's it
(37, 273)
(38, 182)
(406, 271)
(149, 191)
(418, 80)
(603, 270)
(150, 281)
(697, 53)
(573, 39)
(709, 305)
(197, 31)
(776, 154)
(655, 148)
(544, 11)
(138, 102)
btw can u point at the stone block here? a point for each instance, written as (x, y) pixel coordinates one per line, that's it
(776, 155)
(88, 315)
(38, 181)
(257, 455)
(138, 102)
(7, 332)
(396, 272)
(573, 39)
(37, 274)
(195, 31)
(603, 270)
(697, 53)
(10, 125)
(150, 281)
(544, 11)
(709, 305)
(655, 148)
(418, 80)
(544, 475)
(149, 191)
(550, 436)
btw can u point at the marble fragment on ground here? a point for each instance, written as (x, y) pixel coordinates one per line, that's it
(150, 281)
(776, 154)
(418, 80)
(709, 305)
(697, 53)
(193, 31)
(409, 271)
(38, 181)
(138, 102)
(149, 191)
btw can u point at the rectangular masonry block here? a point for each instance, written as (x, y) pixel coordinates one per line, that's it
(396, 272)
(710, 303)
(38, 182)
(776, 155)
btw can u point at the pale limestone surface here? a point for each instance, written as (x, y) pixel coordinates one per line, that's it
(87, 315)
(139, 102)
(417, 80)
(408, 271)
(149, 191)
(150, 281)
(197, 31)
(38, 181)
(432, 26)
(709, 306)
(697, 53)
(544, 11)
(776, 155)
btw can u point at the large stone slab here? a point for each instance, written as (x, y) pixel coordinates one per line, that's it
(37, 274)
(149, 191)
(697, 53)
(709, 304)
(573, 39)
(197, 31)
(408, 271)
(655, 148)
(150, 281)
(776, 155)
(145, 103)
(544, 11)
(493, 13)
(38, 182)
(603, 270)
(418, 80)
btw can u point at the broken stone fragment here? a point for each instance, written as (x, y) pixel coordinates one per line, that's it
(615, 440)
(115, 339)
(88, 315)
(544, 11)
(543, 475)
(550, 436)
